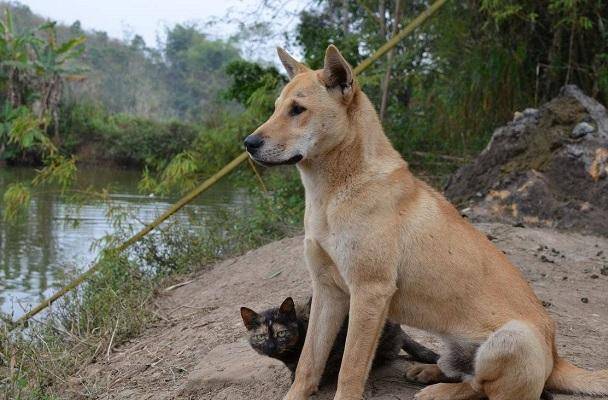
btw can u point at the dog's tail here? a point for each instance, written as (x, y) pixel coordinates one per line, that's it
(418, 351)
(568, 378)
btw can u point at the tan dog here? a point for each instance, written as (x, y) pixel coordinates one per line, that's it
(380, 243)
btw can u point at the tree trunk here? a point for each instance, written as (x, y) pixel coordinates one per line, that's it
(382, 18)
(54, 99)
(2, 147)
(345, 16)
(389, 63)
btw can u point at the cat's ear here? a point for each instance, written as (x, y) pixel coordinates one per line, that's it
(251, 319)
(288, 308)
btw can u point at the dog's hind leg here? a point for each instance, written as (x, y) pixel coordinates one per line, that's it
(513, 363)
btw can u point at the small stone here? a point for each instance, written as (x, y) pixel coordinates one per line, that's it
(543, 258)
(564, 278)
(546, 304)
(574, 151)
(582, 129)
(604, 270)
(585, 300)
(518, 225)
(599, 253)
(491, 237)
(530, 112)
(594, 276)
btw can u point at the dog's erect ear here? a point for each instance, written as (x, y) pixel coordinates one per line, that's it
(292, 66)
(251, 319)
(288, 308)
(336, 71)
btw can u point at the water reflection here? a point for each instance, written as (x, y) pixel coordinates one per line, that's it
(36, 252)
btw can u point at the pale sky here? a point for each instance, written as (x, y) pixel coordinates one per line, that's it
(121, 18)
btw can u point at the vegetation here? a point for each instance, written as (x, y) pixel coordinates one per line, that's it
(470, 67)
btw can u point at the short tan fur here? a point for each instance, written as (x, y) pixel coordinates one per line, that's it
(380, 243)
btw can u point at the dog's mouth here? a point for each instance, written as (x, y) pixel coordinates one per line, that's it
(293, 160)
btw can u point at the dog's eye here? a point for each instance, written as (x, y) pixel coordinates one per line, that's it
(296, 109)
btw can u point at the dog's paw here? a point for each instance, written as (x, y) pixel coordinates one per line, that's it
(424, 373)
(448, 391)
(433, 392)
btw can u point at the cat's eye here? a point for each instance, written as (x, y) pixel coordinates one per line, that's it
(259, 337)
(296, 109)
(281, 334)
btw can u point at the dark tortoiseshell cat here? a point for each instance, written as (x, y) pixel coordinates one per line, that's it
(279, 333)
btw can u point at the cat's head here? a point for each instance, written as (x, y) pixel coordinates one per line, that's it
(275, 331)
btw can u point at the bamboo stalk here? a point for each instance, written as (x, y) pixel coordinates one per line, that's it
(219, 175)
(419, 20)
(135, 238)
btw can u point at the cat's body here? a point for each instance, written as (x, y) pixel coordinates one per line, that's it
(280, 332)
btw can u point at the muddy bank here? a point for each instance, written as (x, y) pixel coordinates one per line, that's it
(548, 167)
(196, 349)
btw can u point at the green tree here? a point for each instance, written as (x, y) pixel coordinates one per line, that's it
(196, 68)
(53, 66)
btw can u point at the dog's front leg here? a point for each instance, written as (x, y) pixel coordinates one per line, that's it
(328, 310)
(368, 310)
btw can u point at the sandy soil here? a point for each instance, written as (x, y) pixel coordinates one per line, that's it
(196, 349)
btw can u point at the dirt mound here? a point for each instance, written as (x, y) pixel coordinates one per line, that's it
(548, 167)
(196, 348)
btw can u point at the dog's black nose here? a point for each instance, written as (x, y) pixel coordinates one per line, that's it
(253, 142)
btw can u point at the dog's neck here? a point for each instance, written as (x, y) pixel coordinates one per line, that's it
(364, 143)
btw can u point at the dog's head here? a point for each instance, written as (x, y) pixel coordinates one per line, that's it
(311, 114)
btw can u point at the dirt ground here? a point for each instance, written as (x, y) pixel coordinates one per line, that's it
(196, 349)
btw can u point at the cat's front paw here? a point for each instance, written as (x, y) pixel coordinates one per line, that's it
(425, 373)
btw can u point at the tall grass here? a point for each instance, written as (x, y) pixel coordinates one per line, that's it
(114, 305)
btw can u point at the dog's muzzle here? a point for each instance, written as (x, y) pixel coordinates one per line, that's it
(254, 142)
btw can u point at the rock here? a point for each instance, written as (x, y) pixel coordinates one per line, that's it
(574, 151)
(604, 270)
(533, 174)
(530, 112)
(544, 258)
(582, 129)
(594, 276)
(235, 365)
(585, 300)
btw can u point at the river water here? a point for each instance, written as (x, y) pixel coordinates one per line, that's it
(56, 234)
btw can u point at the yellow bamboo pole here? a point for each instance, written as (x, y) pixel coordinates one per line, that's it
(419, 20)
(135, 238)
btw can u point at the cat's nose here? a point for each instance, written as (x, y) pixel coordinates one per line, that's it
(270, 347)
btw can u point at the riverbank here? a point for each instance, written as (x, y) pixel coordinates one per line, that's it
(193, 347)
(114, 305)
